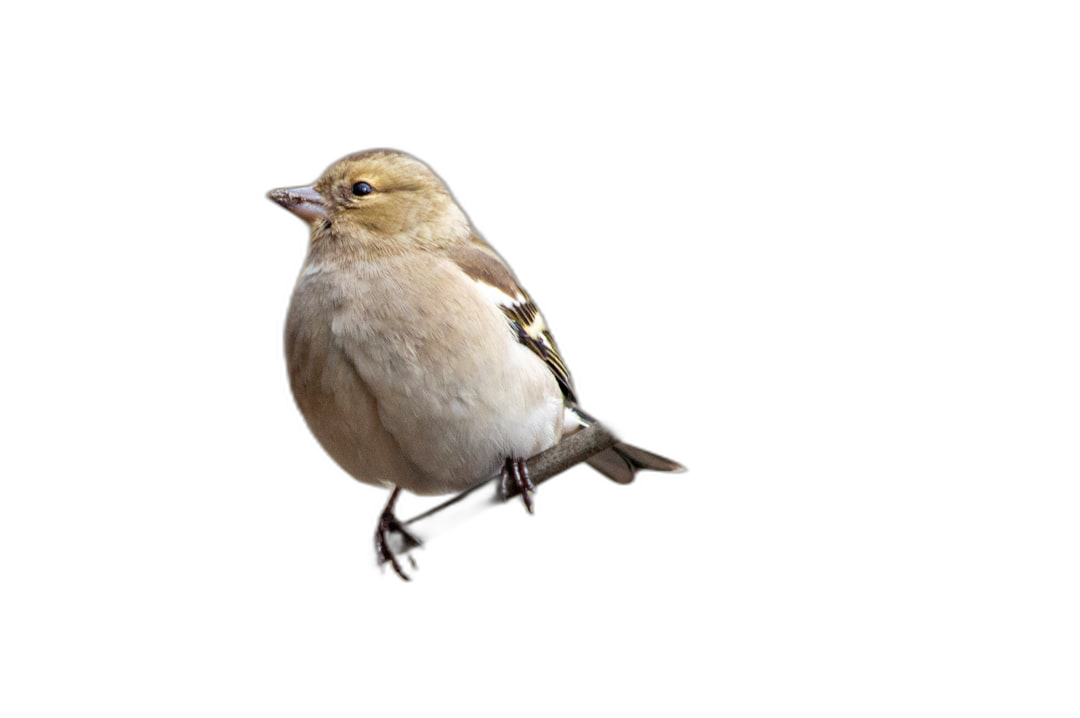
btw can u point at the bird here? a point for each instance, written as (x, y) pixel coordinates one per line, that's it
(415, 356)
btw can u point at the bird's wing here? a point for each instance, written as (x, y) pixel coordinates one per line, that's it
(485, 267)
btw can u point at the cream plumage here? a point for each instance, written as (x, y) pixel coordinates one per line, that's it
(415, 356)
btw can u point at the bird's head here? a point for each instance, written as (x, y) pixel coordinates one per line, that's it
(383, 200)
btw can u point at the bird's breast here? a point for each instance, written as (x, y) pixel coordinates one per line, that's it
(408, 354)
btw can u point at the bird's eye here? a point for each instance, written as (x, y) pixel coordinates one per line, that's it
(361, 188)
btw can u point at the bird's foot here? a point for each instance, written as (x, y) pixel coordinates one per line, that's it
(389, 524)
(516, 474)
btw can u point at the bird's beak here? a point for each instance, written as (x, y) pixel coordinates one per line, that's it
(304, 202)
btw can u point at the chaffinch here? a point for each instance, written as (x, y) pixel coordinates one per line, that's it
(416, 357)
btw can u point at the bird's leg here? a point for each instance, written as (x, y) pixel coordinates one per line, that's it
(515, 471)
(388, 523)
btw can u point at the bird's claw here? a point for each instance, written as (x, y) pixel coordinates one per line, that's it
(388, 524)
(515, 473)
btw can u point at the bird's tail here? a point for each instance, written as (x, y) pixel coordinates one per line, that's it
(621, 462)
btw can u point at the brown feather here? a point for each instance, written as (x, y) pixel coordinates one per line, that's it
(482, 264)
